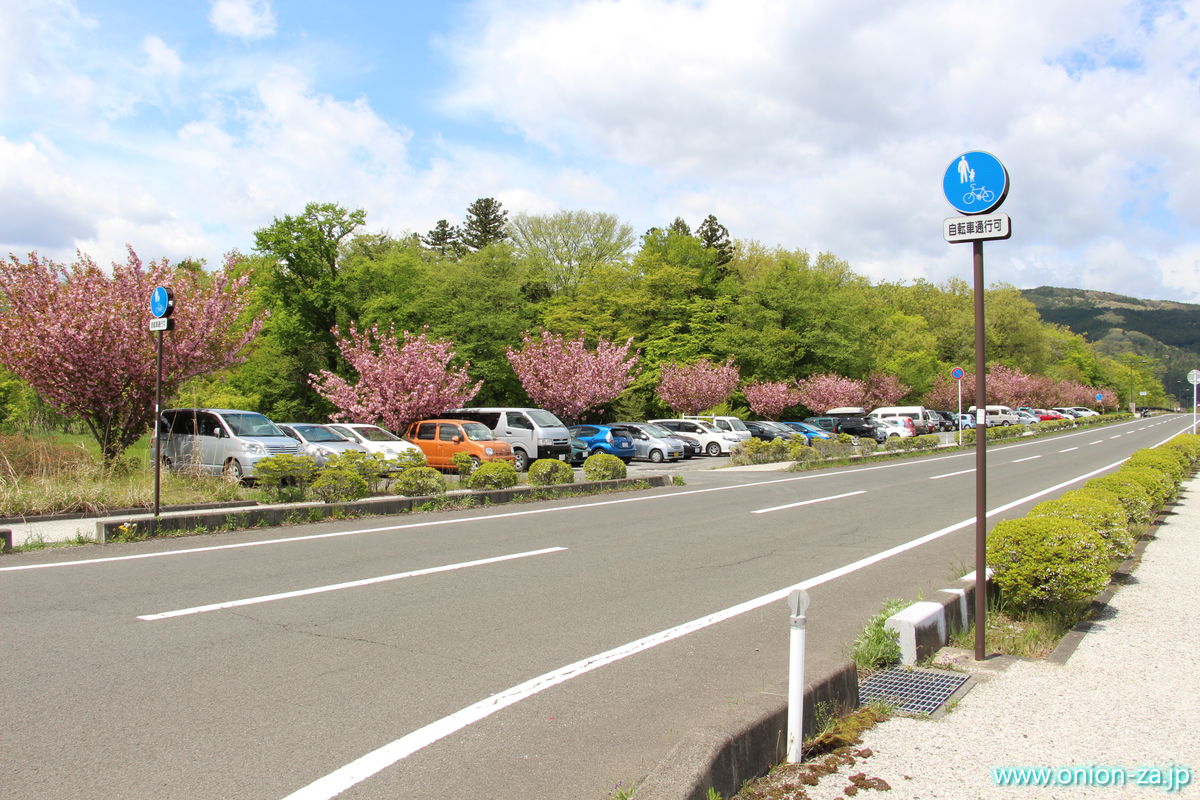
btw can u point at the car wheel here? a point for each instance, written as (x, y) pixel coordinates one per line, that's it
(476, 462)
(521, 462)
(893, 436)
(714, 449)
(165, 462)
(233, 471)
(854, 441)
(1005, 423)
(656, 456)
(596, 451)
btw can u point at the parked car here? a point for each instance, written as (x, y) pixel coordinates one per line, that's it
(374, 438)
(653, 442)
(967, 421)
(691, 445)
(319, 442)
(809, 432)
(917, 414)
(1069, 413)
(761, 429)
(614, 440)
(902, 427)
(440, 439)
(999, 415)
(853, 425)
(1027, 418)
(730, 425)
(1084, 411)
(579, 452)
(714, 441)
(532, 433)
(949, 420)
(218, 441)
(1046, 414)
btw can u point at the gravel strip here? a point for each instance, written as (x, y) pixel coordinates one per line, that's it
(1127, 698)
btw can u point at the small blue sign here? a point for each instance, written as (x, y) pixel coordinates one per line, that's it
(162, 302)
(1099, 397)
(975, 183)
(957, 373)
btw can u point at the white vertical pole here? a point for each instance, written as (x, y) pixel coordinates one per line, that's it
(798, 602)
(1193, 408)
(959, 412)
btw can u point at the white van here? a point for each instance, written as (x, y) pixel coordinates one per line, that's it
(220, 441)
(730, 425)
(998, 415)
(533, 433)
(917, 414)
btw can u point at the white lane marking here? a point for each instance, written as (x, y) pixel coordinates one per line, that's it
(809, 502)
(1118, 436)
(431, 523)
(365, 766)
(1027, 458)
(333, 587)
(1098, 441)
(1069, 449)
(952, 474)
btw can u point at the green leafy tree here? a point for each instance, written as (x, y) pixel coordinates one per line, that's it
(566, 247)
(715, 236)
(485, 225)
(302, 282)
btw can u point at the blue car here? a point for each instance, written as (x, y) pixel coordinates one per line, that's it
(808, 431)
(610, 439)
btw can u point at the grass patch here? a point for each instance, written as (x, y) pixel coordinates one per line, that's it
(1028, 634)
(876, 646)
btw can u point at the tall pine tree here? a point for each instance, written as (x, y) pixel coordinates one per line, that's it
(486, 221)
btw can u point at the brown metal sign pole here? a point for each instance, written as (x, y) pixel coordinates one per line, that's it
(980, 460)
(157, 432)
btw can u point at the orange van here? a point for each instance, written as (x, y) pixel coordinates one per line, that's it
(440, 439)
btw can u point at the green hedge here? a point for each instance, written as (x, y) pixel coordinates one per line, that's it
(1041, 561)
(419, 482)
(494, 475)
(1100, 510)
(603, 467)
(550, 471)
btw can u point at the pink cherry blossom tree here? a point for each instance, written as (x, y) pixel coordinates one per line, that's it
(566, 378)
(398, 382)
(882, 389)
(769, 398)
(819, 393)
(80, 337)
(692, 388)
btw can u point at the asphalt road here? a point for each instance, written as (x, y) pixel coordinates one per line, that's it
(485, 653)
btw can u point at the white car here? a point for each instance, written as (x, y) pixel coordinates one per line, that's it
(896, 426)
(1027, 418)
(1084, 411)
(714, 442)
(375, 439)
(319, 441)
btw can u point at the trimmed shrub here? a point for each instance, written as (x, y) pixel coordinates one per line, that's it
(419, 482)
(1100, 511)
(285, 476)
(926, 441)
(1171, 462)
(494, 475)
(339, 485)
(1159, 485)
(369, 466)
(1042, 561)
(798, 450)
(833, 448)
(1188, 444)
(406, 460)
(844, 438)
(1139, 508)
(757, 451)
(465, 466)
(550, 471)
(603, 467)
(867, 446)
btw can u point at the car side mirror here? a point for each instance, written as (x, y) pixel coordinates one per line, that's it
(456, 439)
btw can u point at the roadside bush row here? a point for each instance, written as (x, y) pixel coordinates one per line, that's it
(353, 475)
(1065, 549)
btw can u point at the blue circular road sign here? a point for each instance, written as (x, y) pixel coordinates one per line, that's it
(957, 373)
(1099, 397)
(975, 183)
(162, 301)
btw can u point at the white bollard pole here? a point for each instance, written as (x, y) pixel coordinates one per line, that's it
(798, 602)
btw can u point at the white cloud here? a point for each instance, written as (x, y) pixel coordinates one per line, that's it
(161, 59)
(243, 19)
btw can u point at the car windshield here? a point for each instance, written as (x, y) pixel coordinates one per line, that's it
(478, 432)
(317, 433)
(655, 430)
(250, 424)
(373, 434)
(737, 424)
(544, 419)
(807, 427)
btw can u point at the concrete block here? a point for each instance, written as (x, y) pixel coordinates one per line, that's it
(921, 629)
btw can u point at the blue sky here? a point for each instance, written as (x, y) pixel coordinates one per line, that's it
(180, 128)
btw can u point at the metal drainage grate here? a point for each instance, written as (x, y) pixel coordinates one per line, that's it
(913, 691)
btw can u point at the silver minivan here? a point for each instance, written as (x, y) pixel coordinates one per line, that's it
(653, 442)
(533, 433)
(220, 441)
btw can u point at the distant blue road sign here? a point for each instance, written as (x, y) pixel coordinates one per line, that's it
(1099, 397)
(975, 183)
(957, 373)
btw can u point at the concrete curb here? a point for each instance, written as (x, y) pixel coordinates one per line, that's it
(925, 627)
(295, 513)
(714, 758)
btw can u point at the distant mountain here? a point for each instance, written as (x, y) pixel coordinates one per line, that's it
(1163, 329)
